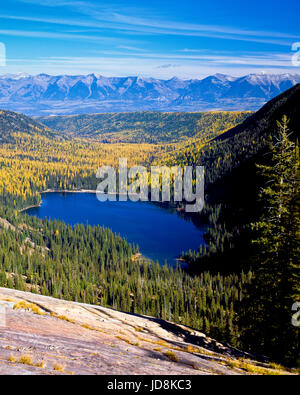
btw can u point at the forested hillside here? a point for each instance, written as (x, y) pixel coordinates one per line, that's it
(92, 264)
(232, 181)
(11, 122)
(145, 127)
(32, 164)
(264, 120)
(252, 178)
(236, 146)
(34, 159)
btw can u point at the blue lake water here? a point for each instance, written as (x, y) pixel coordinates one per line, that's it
(160, 234)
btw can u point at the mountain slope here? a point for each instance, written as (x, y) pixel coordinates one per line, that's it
(233, 183)
(138, 127)
(264, 120)
(47, 95)
(245, 141)
(11, 122)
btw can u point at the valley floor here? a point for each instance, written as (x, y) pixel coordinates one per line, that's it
(43, 335)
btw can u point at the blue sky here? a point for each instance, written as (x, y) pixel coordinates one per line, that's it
(161, 39)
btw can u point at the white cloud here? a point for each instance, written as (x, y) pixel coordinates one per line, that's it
(105, 16)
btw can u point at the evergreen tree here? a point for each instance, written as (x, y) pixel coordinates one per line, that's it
(265, 316)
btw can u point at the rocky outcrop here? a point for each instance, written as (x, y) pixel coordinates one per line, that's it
(43, 335)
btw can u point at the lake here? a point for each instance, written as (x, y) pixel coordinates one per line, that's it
(161, 234)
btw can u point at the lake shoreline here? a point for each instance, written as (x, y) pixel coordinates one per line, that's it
(63, 191)
(29, 207)
(133, 223)
(70, 191)
(178, 209)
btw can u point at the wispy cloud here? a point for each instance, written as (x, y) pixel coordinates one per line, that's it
(210, 32)
(58, 3)
(130, 48)
(157, 65)
(107, 12)
(195, 28)
(138, 42)
(253, 59)
(108, 17)
(60, 35)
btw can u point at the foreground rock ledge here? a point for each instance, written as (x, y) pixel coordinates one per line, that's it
(44, 335)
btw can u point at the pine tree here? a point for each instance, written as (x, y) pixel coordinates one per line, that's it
(265, 316)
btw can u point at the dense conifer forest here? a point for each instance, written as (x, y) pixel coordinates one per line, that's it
(93, 265)
(145, 126)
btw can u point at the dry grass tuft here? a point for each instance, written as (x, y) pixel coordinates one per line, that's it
(58, 368)
(9, 347)
(87, 326)
(138, 329)
(171, 355)
(12, 359)
(137, 344)
(41, 365)
(192, 349)
(28, 307)
(7, 300)
(26, 360)
(158, 342)
(276, 366)
(65, 318)
(251, 368)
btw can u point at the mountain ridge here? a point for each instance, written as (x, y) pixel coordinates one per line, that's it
(287, 103)
(44, 94)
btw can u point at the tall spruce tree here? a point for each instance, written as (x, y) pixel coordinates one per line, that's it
(265, 315)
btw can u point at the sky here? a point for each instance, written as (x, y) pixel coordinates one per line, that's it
(153, 38)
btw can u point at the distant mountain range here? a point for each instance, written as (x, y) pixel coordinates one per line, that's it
(44, 94)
